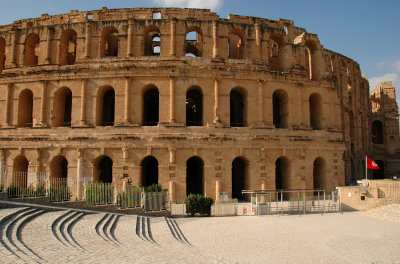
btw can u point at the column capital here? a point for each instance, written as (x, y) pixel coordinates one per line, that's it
(260, 81)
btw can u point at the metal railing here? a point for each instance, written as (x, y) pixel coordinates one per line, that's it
(154, 201)
(130, 198)
(26, 184)
(58, 190)
(99, 193)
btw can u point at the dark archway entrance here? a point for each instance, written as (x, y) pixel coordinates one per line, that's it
(236, 109)
(150, 107)
(377, 132)
(379, 174)
(238, 178)
(108, 108)
(282, 174)
(319, 181)
(105, 170)
(149, 171)
(20, 171)
(194, 176)
(59, 167)
(25, 108)
(194, 108)
(280, 109)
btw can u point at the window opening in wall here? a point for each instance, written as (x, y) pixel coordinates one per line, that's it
(68, 47)
(149, 167)
(89, 17)
(235, 46)
(151, 107)
(194, 43)
(59, 168)
(319, 181)
(280, 109)
(236, 109)
(194, 176)
(282, 175)
(67, 109)
(275, 52)
(108, 108)
(105, 168)
(194, 108)
(31, 46)
(157, 15)
(25, 108)
(315, 105)
(285, 28)
(238, 178)
(109, 42)
(377, 132)
(62, 107)
(310, 48)
(152, 41)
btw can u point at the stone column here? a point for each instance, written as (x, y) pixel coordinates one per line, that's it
(215, 39)
(87, 40)
(3, 179)
(171, 191)
(216, 100)
(14, 47)
(43, 104)
(83, 102)
(48, 48)
(173, 33)
(217, 189)
(172, 80)
(130, 38)
(258, 42)
(127, 118)
(8, 104)
(79, 175)
(261, 101)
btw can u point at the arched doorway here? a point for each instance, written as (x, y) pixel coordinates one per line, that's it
(20, 171)
(194, 176)
(68, 45)
(377, 132)
(105, 106)
(62, 107)
(194, 108)
(149, 168)
(280, 109)
(379, 174)
(109, 42)
(151, 107)
(104, 167)
(236, 109)
(319, 180)
(238, 178)
(282, 181)
(59, 167)
(25, 108)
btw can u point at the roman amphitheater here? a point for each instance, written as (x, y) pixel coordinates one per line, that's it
(185, 99)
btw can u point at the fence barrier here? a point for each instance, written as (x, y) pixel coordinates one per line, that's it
(27, 184)
(99, 193)
(58, 190)
(130, 198)
(154, 201)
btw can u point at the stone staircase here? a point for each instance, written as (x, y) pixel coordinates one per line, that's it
(389, 212)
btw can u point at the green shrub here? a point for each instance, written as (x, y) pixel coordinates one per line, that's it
(153, 188)
(196, 203)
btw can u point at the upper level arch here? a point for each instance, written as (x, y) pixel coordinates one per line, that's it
(105, 106)
(238, 108)
(276, 44)
(377, 132)
(310, 65)
(316, 111)
(194, 42)
(236, 44)
(30, 52)
(68, 46)
(2, 54)
(62, 107)
(152, 41)
(194, 106)
(150, 106)
(25, 108)
(109, 42)
(280, 108)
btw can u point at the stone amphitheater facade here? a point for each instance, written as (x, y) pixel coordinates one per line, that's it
(179, 97)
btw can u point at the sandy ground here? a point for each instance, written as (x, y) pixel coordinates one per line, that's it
(68, 236)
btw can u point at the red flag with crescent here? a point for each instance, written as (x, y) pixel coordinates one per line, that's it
(372, 164)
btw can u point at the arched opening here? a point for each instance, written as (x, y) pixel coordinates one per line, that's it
(275, 52)
(152, 41)
(103, 170)
(310, 48)
(315, 104)
(150, 107)
(109, 42)
(2, 54)
(31, 44)
(194, 176)
(20, 172)
(194, 42)
(282, 174)
(238, 178)
(62, 107)
(194, 107)
(59, 168)
(352, 128)
(379, 174)
(377, 132)
(235, 45)
(105, 106)
(319, 179)
(25, 108)
(237, 108)
(280, 109)
(68, 47)
(149, 168)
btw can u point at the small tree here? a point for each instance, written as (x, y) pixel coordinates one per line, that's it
(196, 203)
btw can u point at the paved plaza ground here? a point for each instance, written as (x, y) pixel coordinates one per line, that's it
(53, 235)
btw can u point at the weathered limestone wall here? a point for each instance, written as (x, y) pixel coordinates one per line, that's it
(264, 57)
